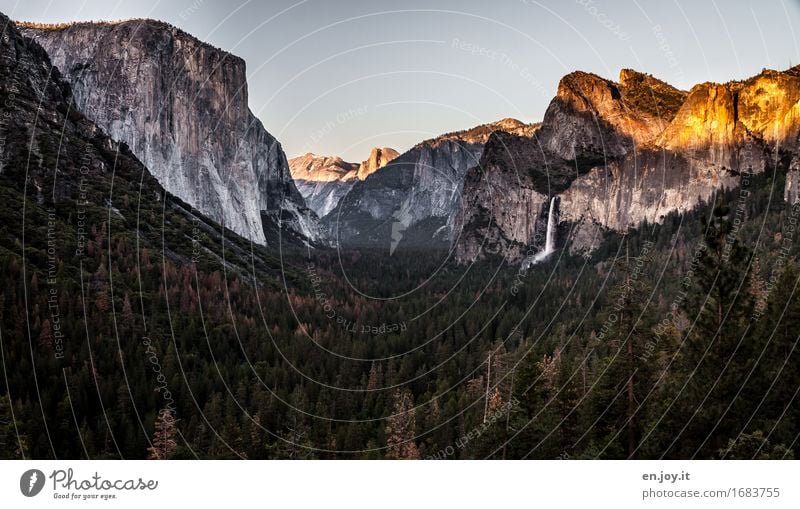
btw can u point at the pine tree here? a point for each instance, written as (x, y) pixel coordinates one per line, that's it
(13, 445)
(758, 287)
(295, 440)
(127, 313)
(103, 299)
(46, 335)
(164, 443)
(535, 421)
(778, 386)
(754, 446)
(373, 380)
(627, 369)
(401, 428)
(715, 357)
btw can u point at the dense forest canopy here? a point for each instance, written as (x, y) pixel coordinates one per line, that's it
(659, 345)
(132, 326)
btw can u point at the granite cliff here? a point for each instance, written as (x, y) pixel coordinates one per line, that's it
(619, 154)
(324, 180)
(181, 106)
(421, 189)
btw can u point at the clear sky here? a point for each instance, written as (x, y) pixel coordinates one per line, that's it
(337, 77)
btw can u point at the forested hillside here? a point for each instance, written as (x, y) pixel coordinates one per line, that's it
(133, 327)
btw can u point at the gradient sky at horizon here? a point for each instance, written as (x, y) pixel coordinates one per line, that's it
(338, 77)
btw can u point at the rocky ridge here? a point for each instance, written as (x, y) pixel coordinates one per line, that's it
(324, 180)
(182, 107)
(420, 188)
(619, 154)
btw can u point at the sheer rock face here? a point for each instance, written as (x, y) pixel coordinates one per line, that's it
(646, 187)
(181, 107)
(64, 165)
(378, 158)
(708, 130)
(619, 154)
(594, 117)
(769, 106)
(325, 180)
(502, 219)
(421, 186)
(764, 107)
(591, 122)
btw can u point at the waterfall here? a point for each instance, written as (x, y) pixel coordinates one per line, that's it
(550, 239)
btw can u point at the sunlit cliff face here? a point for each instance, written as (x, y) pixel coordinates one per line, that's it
(733, 125)
(321, 168)
(324, 180)
(766, 107)
(378, 158)
(769, 105)
(332, 168)
(630, 152)
(181, 105)
(706, 119)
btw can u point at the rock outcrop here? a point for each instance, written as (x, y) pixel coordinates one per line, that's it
(378, 158)
(181, 106)
(619, 154)
(324, 180)
(419, 189)
(79, 184)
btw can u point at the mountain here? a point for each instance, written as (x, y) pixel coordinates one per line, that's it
(60, 170)
(717, 122)
(619, 154)
(181, 106)
(419, 190)
(100, 253)
(324, 180)
(378, 158)
(137, 327)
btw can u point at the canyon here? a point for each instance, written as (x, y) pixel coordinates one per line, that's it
(421, 189)
(616, 154)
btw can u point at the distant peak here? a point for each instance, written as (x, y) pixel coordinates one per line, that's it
(631, 78)
(383, 152)
(480, 133)
(508, 123)
(378, 158)
(579, 81)
(310, 166)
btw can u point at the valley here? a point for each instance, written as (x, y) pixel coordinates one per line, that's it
(616, 281)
